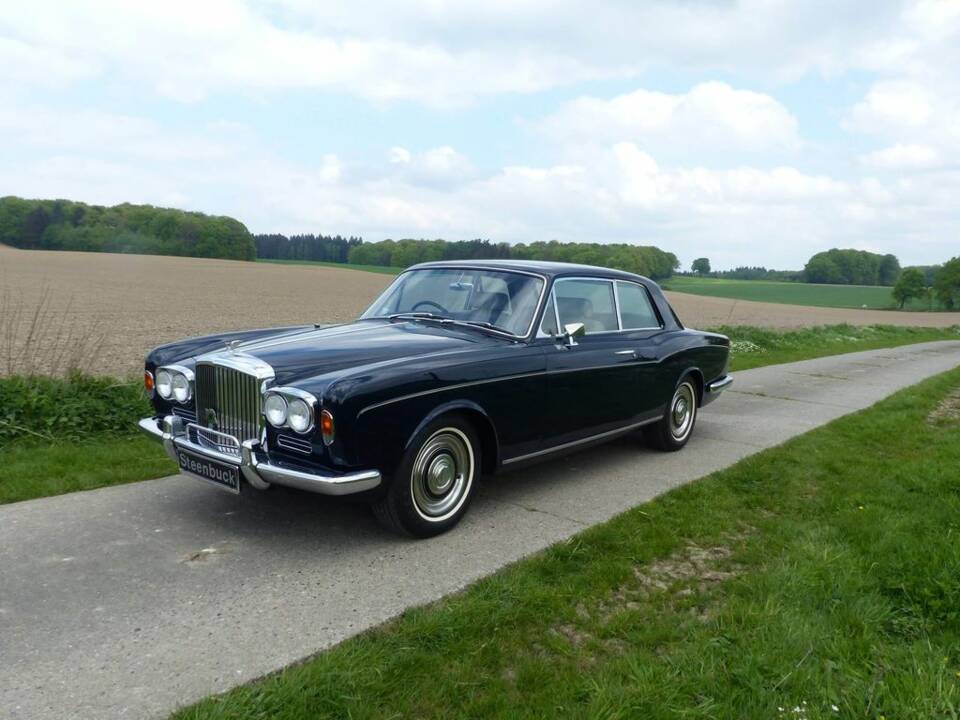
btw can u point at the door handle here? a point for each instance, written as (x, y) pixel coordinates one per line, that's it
(635, 355)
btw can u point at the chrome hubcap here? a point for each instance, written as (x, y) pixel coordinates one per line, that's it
(683, 411)
(442, 474)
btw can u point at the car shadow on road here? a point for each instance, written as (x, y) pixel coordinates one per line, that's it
(284, 516)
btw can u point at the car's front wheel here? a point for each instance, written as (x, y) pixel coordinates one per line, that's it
(673, 431)
(435, 481)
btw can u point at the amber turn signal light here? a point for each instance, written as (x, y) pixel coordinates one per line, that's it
(326, 426)
(148, 381)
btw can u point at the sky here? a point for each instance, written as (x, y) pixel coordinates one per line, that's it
(753, 133)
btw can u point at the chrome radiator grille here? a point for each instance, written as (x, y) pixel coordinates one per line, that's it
(228, 400)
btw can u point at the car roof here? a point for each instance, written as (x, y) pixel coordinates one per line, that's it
(540, 267)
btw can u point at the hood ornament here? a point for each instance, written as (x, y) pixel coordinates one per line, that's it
(232, 345)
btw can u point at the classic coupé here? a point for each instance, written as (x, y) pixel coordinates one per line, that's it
(457, 368)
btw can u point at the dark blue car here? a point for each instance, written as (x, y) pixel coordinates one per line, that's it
(457, 369)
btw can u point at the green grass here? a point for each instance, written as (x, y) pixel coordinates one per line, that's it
(385, 269)
(30, 470)
(822, 575)
(754, 347)
(842, 296)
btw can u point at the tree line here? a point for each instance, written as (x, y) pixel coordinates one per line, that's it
(644, 260)
(126, 228)
(933, 282)
(316, 248)
(852, 267)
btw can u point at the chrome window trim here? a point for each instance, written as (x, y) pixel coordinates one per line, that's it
(653, 306)
(536, 311)
(611, 281)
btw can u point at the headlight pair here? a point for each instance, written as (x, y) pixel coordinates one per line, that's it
(289, 407)
(175, 383)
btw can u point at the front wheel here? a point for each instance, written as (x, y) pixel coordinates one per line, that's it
(432, 487)
(673, 430)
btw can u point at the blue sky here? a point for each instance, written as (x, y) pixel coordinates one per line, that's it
(755, 132)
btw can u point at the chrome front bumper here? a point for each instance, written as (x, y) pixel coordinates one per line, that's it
(253, 463)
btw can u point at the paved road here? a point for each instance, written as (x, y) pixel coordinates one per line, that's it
(127, 601)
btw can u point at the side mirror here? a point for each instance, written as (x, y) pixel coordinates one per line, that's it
(571, 332)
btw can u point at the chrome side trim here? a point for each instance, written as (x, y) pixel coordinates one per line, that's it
(456, 386)
(720, 385)
(564, 446)
(459, 386)
(255, 465)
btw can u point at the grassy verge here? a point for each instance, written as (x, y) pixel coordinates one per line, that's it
(58, 435)
(30, 470)
(795, 293)
(385, 269)
(820, 579)
(754, 347)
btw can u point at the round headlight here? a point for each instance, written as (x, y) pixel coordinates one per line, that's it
(181, 387)
(275, 408)
(165, 384)
(299, 416)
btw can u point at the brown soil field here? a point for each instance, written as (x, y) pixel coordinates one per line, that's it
(108, 310)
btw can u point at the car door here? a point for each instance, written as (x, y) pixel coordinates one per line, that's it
(641, 332)
(590, 384)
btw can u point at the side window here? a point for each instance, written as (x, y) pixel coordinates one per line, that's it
(549, 324)
(587, 301)
(636, 310)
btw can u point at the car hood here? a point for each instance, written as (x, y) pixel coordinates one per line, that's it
(319, 351)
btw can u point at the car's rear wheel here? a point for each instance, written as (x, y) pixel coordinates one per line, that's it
(435, 481)
(673, 431)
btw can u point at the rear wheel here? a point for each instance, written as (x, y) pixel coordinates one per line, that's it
(432, 487)
(673, 431)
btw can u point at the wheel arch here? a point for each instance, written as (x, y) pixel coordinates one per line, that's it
(696, 374)
(482, 423)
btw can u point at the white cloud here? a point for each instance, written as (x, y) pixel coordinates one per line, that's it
(893, 105)
(437, 167)
(711, 114)
(445, 54)
(903, 157)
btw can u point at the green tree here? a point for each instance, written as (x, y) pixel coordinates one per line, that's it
(910, 285)
(946, 284)
(701, 266)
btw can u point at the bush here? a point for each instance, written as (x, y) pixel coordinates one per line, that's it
(75, 408)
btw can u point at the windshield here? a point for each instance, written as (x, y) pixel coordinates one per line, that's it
(505, 301)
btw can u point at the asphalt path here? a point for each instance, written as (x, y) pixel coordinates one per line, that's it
(130, 601)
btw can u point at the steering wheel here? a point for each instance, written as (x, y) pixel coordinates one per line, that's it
(438, 306)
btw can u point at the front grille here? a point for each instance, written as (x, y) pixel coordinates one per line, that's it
(213, 440)
(288, 442)
(228, 400)
(185, 413)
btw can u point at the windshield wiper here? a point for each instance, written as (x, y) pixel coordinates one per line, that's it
(446, 320)
(415, 316)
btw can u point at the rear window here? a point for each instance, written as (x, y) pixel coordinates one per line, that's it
(636, 308)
